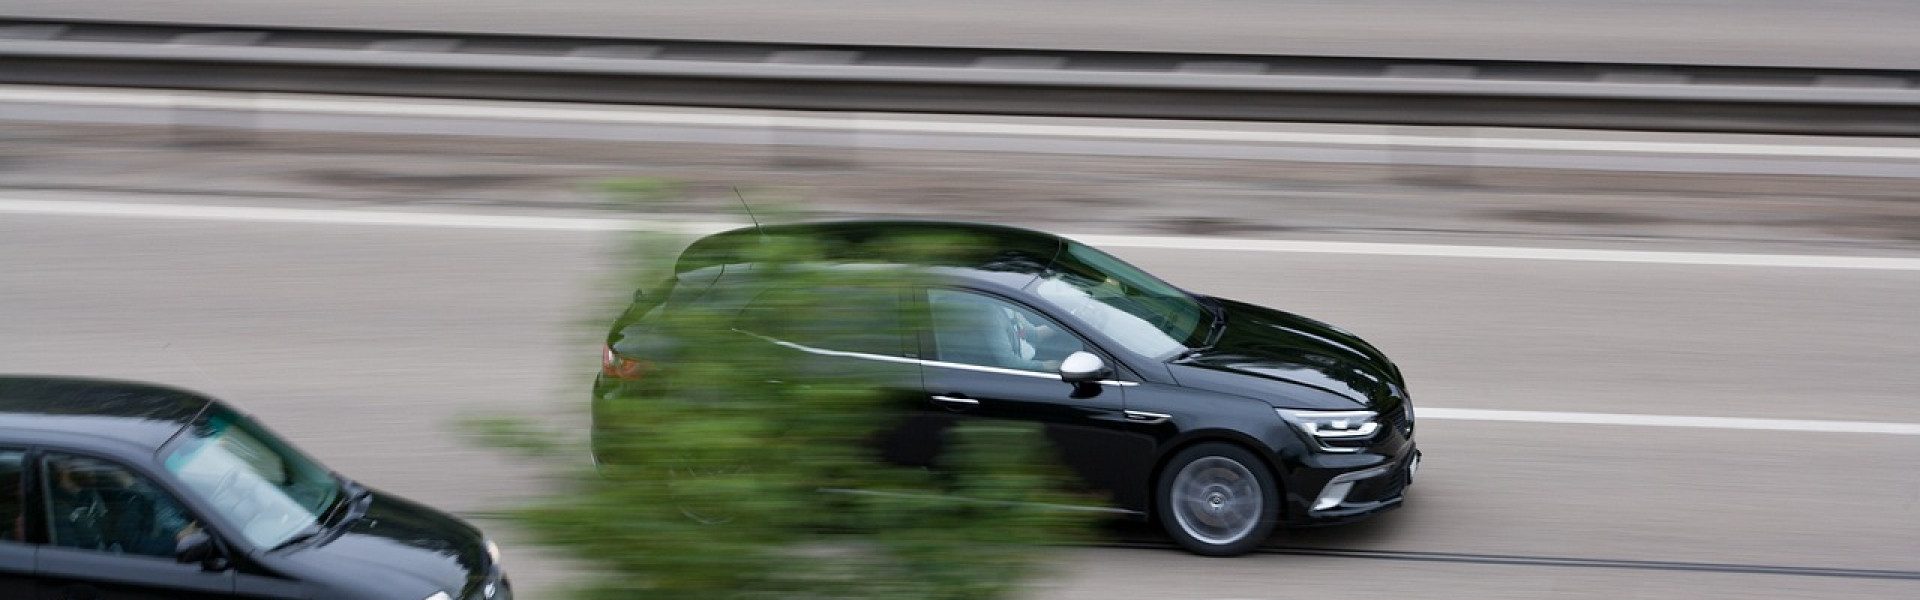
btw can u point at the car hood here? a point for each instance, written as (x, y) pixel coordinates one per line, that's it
(1261, 347)
(405, 544)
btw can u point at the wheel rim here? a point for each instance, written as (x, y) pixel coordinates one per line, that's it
(1216, 500)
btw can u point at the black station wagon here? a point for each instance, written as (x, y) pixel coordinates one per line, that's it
(117, 491)
(1219, 419)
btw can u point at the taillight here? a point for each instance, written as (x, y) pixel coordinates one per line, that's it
(612, 364)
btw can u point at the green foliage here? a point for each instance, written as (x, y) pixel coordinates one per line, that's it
(716, 482)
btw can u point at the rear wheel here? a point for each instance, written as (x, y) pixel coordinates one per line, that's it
(1217, 499)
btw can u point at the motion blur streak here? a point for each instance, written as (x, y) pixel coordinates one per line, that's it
(1736, 145)
(479, 221)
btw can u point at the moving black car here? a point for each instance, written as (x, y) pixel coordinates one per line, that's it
(117, 490)
(1219, 419)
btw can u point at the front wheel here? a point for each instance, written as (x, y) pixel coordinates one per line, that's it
(1218, 500)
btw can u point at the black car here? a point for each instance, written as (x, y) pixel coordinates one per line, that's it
(1219, 419)
(117, 490)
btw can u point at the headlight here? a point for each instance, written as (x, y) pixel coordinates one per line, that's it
(493, 552)
(439, 596)
(1334, 430)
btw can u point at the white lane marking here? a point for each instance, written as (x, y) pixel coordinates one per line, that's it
(266, 214)
(553, 112)
(1659, 257)
(537, 223)
(1743, 423)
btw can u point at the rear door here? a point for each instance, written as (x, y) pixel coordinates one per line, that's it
(856, 332)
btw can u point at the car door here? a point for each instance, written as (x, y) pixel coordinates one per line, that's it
(110, 535)
(988, 356)
(861, 333)
(16, 554)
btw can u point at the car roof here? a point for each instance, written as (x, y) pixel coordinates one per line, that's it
(976, 247)
(141, 414)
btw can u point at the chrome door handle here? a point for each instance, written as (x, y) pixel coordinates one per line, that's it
(1141, 416)
(956, 400)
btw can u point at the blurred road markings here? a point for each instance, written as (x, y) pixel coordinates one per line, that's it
(550, 112)
(267, 214)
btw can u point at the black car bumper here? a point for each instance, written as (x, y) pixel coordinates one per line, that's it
(1342, 493)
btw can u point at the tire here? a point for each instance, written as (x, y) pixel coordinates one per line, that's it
(1217, 499)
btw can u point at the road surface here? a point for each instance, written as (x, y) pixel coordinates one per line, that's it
(365, 342)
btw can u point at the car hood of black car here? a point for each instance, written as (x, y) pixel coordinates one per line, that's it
(403, 542)
(1261, 346)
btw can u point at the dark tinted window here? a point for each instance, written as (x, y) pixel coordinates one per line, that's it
(848, 319)
(13, 502)
(978, 329)
(93, 504)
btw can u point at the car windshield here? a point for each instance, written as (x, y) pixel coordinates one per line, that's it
(1147, 316)
(253, 479)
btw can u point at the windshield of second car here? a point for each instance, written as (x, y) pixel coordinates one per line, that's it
(1141, 313)
(257, 482)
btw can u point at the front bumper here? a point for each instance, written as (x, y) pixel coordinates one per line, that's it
(1334, 495)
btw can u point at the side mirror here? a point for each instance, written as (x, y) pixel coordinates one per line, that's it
(1083, 367)
(198, 547)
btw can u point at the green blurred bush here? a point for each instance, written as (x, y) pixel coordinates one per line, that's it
(717, 483)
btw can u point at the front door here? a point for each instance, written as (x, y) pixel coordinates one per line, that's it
(991, 357)
(111, 534)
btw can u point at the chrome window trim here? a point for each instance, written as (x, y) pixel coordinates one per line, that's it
(1006, 371)
(923, 362)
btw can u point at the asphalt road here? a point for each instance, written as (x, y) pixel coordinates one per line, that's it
(364, 344)
(1840, 33)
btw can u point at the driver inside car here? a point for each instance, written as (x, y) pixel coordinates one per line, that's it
(97, 506)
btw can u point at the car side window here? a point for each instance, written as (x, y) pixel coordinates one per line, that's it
(858, 319)
(94, 504)
(977, 329)
(13, 500)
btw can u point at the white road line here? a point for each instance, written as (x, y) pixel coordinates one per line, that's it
(556, 112)
(537, 223)
(1581, 418)
(1725, 259)
(265, 214)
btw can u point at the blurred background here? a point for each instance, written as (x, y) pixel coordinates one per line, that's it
(1695, 218)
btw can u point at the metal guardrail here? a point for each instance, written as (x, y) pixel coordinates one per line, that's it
(964, 80)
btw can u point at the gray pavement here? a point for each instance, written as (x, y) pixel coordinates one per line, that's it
(365, 343)
(1851, 33)
(475, 166)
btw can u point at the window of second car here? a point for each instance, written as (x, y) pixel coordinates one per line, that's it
(94, 504)
(13, 500)
(260, 484)
(977, 329)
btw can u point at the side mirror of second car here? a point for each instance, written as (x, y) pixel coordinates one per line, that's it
(198, 547)
(1083, 367)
